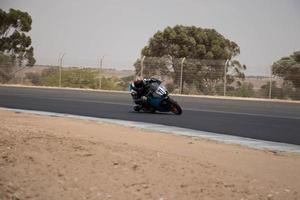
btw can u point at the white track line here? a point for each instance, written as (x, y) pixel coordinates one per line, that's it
(242, 113)
(253, 143)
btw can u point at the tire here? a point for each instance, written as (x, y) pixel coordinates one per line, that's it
(149, 108)
(136, 108)
(152, 110)
(176, 109)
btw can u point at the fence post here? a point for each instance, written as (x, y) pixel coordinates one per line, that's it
(80, 70)
(225, 76)
(100, 72)
(270, 87)
(60, 68)
(142, 66)
(181, 75)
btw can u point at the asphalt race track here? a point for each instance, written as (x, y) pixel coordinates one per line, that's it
(272, 121)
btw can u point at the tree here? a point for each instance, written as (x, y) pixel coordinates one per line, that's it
(276, 92)
(34, 78)
(289, 69)
(285, 90)
(15, 46)
(5, 68)
(205, 50)
(244, 90)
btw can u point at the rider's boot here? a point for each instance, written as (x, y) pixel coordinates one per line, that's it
(137, 108)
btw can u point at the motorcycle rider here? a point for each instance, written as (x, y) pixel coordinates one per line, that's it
(139, 90)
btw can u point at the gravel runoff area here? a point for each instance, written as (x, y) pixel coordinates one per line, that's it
(44, 157)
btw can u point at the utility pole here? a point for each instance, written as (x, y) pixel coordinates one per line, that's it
(60, 67)
(181, 75)
(142, 66)
(225, 77)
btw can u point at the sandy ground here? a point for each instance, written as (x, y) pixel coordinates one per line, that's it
(59, 158)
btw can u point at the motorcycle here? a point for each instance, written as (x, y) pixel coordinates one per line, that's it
(158, 99)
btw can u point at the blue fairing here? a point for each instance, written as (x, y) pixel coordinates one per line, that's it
(155, 102)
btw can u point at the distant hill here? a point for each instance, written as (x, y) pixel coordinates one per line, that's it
(108, 72)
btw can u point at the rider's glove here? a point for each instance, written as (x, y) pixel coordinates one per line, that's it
(133, 93)
(144, 99)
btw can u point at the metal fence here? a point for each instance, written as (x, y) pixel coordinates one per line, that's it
(214, 77)
(180, 75)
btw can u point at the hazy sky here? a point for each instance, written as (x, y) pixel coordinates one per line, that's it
(265, 30)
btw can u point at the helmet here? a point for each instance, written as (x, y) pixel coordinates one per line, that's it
(138, 82)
